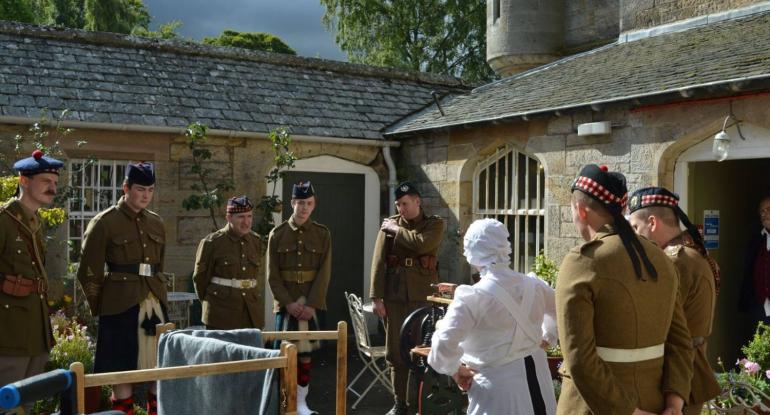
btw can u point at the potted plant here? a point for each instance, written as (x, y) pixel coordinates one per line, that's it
(546, 270)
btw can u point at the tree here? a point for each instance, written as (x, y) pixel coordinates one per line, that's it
(17, 10)
(439, 36)
(165, 31)
(119, 16)
(250, 40)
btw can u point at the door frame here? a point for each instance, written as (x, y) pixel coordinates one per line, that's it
(756, 145)
(331, 164)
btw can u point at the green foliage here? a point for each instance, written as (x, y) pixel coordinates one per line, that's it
(17, 11)
(758, 349)
(7, 187)
(745, 387)
(207, 195)
(439, 36)
(73, 344)
(283, 160)
(165, 31)
(118, 16)
(250, 40)
(545, 269)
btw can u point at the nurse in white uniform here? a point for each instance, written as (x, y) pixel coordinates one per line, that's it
(492, 337)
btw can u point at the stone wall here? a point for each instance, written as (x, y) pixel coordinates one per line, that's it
(644, 145)
(641, 14)
(589, 23)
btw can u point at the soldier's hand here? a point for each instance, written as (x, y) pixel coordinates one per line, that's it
(464, 377)
(379, 307)
(295, 309)
(307, 313)
(389, 226)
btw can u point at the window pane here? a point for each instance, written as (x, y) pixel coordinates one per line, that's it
(521, 173)
(533, 169)
(491, 193)
(105, 176)
(482, 186)
(502, 176)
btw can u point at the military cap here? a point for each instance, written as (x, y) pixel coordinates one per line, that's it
(652, 196)
(142, 173)
(602, 185)
(406, 188)
(37, 163)
(302, 190)
(239, 204)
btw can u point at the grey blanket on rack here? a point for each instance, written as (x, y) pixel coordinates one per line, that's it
(237, 393)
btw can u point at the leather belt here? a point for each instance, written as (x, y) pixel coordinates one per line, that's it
(300, 277)
(395, 261)
(235, 283)
(609, 354)
(18, 286)
(145, 270)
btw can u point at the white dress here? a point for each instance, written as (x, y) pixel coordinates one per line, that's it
(480, 331)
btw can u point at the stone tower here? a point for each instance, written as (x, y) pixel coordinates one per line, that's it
(523, 34)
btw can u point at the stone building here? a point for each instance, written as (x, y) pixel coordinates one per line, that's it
(132, 98)
(647, 103)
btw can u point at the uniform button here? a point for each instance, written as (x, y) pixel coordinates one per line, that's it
(300, 232)
(125, 241)
(147, 259)
(243, 268)
(299, 252)
(215, 293)
(144, 245)
(241, 242)
(299, 265)
(7, 306)
(243, 294)
(33, 262)
(299, 242)
(41, 296)
(313, 250)
(18, 251)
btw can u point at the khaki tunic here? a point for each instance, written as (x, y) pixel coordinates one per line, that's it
(120, 236)
(226, 255)
(404, 288)
(601, 302)
(24, 322)
(696, 286)
(306, 247)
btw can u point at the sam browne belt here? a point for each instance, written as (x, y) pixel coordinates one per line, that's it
(235, 283)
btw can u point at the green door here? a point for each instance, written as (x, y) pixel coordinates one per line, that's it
(340, 206)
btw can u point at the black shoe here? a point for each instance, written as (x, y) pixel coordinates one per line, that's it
(399, 408)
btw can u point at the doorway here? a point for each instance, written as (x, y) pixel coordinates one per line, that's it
(732, 188)
(340, 207)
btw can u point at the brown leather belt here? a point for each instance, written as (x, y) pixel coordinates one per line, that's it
(18, 286)
(426, 261)
(300, 277)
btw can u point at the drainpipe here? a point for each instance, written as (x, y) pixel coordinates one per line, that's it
(392, 182)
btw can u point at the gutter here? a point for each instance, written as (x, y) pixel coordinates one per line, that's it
(211, 131)
(684, 92)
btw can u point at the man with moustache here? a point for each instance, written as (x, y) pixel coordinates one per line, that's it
(228, 266)
(26, 333)
(299, 262)
(655, 214)
(130, 297)
(404, 265)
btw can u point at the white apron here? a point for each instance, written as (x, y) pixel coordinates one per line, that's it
(521, 384)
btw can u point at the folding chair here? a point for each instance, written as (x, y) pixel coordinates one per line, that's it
(370, 355)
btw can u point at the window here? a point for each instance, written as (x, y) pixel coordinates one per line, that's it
(96, 185)
(495, 10)
(509, 186)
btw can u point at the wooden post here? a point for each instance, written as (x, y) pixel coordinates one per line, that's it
(80, 381)
(342, 367)
(289, 378)
(162, 328)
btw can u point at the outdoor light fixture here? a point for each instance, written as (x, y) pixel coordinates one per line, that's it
(721, 146)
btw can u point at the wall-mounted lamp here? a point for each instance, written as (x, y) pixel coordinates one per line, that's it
(721, 147)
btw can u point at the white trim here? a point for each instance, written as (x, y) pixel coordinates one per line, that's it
(756, 145)
(330, 164)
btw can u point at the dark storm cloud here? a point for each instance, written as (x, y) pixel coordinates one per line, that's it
(297, 22)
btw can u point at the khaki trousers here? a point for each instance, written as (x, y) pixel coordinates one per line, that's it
(15, 368)
(397, 312)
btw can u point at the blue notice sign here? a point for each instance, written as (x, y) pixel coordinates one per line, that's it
(711, 229)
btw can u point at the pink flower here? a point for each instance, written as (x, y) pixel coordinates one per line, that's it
(767, 373)
(751, 367)
(741, 362)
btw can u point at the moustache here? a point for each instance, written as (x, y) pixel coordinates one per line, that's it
(50, 193)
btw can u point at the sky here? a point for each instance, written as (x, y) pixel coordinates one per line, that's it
(296, 22)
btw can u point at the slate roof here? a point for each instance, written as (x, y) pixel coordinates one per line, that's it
(110, 78)
(667, 63)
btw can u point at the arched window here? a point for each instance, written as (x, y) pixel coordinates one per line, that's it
(509, 186)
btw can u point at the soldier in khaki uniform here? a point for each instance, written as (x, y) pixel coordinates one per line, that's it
(26, 332)
(299, 262)
(227, 268)
(622, 330)
(404, 266)
(130, 297)
(655, 214)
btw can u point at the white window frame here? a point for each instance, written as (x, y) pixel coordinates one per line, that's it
(115, 187)
(507, 207)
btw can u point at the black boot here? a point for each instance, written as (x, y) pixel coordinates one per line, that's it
(399, 408)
